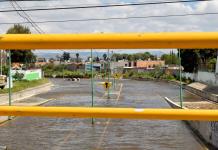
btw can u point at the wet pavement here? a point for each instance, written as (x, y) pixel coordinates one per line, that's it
(28, 133)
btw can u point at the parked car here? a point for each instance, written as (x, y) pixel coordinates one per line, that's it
(3, 81)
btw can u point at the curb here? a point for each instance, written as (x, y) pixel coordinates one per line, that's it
(29, 92)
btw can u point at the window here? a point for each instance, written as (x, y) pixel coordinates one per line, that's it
(130, 64)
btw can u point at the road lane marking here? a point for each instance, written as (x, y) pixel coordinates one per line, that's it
(108, 121)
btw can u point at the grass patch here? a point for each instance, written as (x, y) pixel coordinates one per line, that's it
(22, 85)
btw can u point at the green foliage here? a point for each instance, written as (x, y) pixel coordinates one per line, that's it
(133, 57)
(5, 70)
(18, 76)
(156, 74)
(24, 84)
(171, 58)
(22, 56)
(189, 60)
(60, 71)
(104, 56)
(66, 56)
(198, 59)
(18, 29)
(167, 77)
(211, 64)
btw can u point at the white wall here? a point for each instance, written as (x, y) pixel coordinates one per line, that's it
(206, 77)
(27, 72)
(217, 63)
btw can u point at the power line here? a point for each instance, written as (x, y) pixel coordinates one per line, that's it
(27, 17)
(113, 18)
(107, 6)
(89, 4)
(39, 30)
(24, 15)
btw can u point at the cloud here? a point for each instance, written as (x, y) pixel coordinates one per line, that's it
(190, 23)
(172, 24)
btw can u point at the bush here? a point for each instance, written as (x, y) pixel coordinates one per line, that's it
(167, 77)
(18, 76)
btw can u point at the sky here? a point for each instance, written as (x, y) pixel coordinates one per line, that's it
(173, 24)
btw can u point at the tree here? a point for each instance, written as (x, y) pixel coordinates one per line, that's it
(96, 59)
(22, 56)
(198, 59)
(77, 57)
(66, 56)
(146, 56)
(170, 58)
(133, 57)
(18, 76)
(130, 57)
(189, 60)
(105, 57)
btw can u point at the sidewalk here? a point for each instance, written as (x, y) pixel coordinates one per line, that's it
(23, 98)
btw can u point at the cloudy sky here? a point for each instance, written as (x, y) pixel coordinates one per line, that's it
(189, 23)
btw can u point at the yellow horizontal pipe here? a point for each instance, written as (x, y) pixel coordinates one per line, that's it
(110, 41)
(122, 113)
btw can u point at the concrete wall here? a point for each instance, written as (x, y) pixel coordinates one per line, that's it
(118, 64)
(29, 74)
(149, 64)
(207, 130)
(205, 77)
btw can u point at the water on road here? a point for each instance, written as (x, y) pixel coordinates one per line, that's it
(28, 133)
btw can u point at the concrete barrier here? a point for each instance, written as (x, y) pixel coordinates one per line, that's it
(25, 93)
(201, 93)
(205, 130)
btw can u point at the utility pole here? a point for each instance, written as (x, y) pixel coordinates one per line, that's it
(92, 83)
(1, 61)
(216, 69)
(10, 80)
(108, 96)
(180, 78)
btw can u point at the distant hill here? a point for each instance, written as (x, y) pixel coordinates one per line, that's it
(53, 54)
(85, 54)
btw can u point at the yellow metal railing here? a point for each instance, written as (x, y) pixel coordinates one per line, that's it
(128, 113)
(109, 41)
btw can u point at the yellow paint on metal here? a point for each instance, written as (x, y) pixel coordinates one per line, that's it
(116, 76)
(110, 41)
(123, 113)
(107, 85)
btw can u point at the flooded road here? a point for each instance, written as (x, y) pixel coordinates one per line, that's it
(29, 133)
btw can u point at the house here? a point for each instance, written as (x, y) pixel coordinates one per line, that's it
(96, 66)
(40, 62)
(73, 66)
(148, 64)
(139, 65)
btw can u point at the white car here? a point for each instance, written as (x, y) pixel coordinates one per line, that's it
(3, 81)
